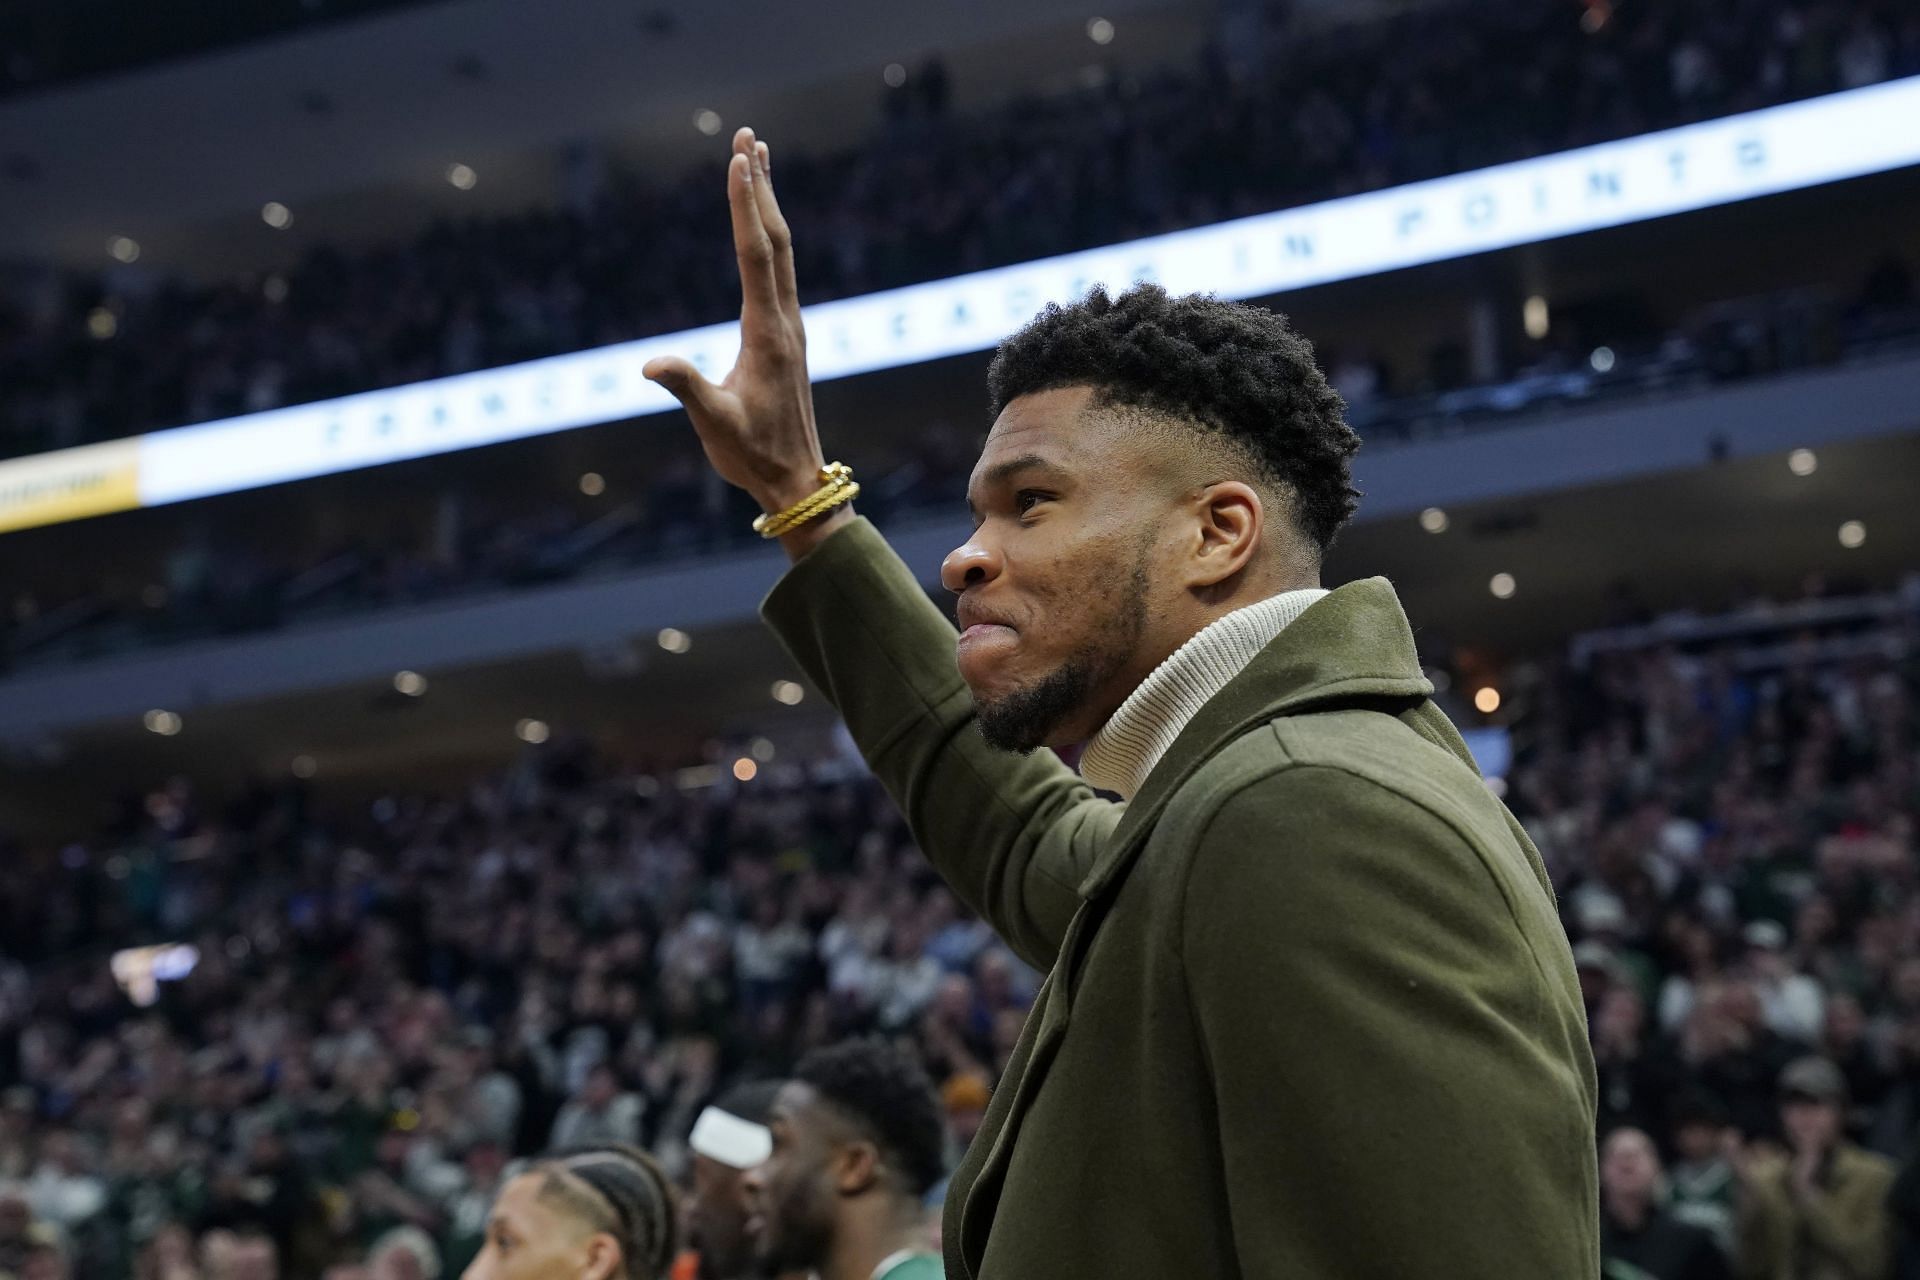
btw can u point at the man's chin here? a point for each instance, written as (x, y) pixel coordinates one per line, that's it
(1024, 720)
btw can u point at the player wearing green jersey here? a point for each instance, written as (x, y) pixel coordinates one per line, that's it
(857, 1141)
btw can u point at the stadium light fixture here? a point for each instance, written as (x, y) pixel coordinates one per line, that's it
(788, 692)
(708, 122)
(124, 249)
(534, 732)
(674, 640)
(1100, 31)
(102, 324)
(164, 723)
(1803, 462)
(1434, 520)
(895, 75)
(1852, 534)
(593, 484)
(1534, 317)
(1602, 360)
(411, 683)
(276, 215)
(1486, 700)
(1502, 586)
(462, 176)
(745, 769)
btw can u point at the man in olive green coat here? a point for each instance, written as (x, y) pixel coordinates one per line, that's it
(1309, 1012)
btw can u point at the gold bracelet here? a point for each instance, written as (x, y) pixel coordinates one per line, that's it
(837, 489)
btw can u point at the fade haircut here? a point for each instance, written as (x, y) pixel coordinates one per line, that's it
(622, 1191)
(1238, 373)
(887, 1095)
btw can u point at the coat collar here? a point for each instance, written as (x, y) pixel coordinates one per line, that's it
(1354, 647)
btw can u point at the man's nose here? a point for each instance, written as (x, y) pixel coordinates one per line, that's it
(969, 565)
(752, 1184)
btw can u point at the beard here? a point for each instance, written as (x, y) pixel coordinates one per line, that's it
(1029, 717)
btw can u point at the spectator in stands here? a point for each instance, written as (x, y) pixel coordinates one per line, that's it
(1820, 1212)
(601, 1113)
(1701, 1186)
(1794, 1004)
(1638, 1238)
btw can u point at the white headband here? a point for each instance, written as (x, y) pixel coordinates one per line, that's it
(723, 1136)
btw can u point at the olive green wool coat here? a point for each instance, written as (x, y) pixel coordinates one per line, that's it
(1309, 1012)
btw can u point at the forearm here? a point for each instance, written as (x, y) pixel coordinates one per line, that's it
(1011, 834)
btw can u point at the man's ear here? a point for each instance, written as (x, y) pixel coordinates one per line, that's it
(1229, 528)
(856, 1167)
(602, 1261)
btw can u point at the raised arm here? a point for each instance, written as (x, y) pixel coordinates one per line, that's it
(1013, 835)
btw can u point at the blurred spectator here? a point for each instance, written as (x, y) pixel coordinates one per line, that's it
(1637, 1236)
(1821, 1211)
(1701, 1186)
(599, 1114)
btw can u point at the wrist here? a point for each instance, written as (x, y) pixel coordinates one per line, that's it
(802, 539)
(784, 491)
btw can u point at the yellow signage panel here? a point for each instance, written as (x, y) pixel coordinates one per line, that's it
(93, 480)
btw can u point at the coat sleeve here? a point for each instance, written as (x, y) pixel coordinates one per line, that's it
(1395, 1092)
(1013, 835)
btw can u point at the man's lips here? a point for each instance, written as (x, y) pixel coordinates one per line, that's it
(981, 630)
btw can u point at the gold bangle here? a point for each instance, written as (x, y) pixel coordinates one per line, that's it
(837, 489)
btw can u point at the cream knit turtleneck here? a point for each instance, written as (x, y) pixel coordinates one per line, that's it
(1127, 747)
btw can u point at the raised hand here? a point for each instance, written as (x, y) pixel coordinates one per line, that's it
(756, 424)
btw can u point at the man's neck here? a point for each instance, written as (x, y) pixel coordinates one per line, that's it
(861, 1245)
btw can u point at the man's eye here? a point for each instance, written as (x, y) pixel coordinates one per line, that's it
(1026, 499)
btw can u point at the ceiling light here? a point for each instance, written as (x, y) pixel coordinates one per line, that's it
(276, 215)
(1100, 31)
(1487, 700)
(1534, 318)
(1852, 534)
(124, 248)
(411, 683)
(788, 692)
(744, 769)
(895, 75)
(1802, 462)
(593, 484)
(1602, 360)
(164, 723)
(534, 731)
(708, 122)
(1502, 585)
(305, 766)
(1433, 520)
(462, 176)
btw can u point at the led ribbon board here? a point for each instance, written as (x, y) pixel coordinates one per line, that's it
(1802, 144)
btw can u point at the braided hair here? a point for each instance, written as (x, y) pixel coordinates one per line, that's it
(622, 1191)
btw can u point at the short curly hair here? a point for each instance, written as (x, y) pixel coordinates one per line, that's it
(1235, 371)
(885, 1092)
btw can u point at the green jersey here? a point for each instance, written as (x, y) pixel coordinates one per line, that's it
(911, 1265)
